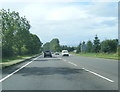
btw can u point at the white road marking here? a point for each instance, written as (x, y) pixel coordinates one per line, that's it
(1, 80)
(98, 75)
(92, 72)
(64, 60)
(52, 58)
(72, 63)
(69, 62)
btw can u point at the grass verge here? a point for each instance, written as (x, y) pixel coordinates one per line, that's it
(99, 55)
(6, 62)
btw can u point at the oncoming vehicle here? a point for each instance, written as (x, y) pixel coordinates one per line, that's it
(65, 53)
(47, 53)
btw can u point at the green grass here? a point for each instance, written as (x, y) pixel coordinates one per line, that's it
(15, 58)
(5, 62)
(99, 55)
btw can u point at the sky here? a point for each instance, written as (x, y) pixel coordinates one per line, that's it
(71, 22)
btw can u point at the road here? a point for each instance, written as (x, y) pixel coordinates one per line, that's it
(62, 73)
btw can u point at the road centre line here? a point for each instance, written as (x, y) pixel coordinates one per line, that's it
(92, 72)
(72, 63)
(98, 75)
(64, 60)
(52, 58)
(1, 80)
(69, 62)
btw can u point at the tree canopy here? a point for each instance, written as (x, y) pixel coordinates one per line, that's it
(109, 46)
(53, 45)
(96, 45)
(16, 37)
(89, 46)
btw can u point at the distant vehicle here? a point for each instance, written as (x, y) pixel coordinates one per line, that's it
(47, 53)
(65, 53)
(56, 53)
(52, 52)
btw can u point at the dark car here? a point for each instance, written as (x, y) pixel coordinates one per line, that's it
(47, 53)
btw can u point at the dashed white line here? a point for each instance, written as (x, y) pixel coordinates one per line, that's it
(1, 80)
(69, 62)
(53, 58)
(92, 72)
(72, 63)
(64, 60)
(98, 75)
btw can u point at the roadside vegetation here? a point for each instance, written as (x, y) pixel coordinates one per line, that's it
(9, 59)
(17, 41)
(54, 46)
(108, 48)
(15, 60)
(99, 55)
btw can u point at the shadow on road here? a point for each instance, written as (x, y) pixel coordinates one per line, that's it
(49, 71)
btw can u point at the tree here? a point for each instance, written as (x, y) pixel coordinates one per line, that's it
(109, 46)
(71, 48)
(54, 45)
(21, 35)
(34, 44)
(14, 32)
(78, 48)
(16, 38)
(83, 47)
(96, 45)
(46, 46)
(7, 32)
(64, 47)
(89, 46)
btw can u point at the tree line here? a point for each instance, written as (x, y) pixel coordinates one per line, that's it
(106, 46)
(53, 45)
(95, 46)
(16, 37)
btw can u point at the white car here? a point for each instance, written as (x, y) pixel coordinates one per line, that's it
(65, 53)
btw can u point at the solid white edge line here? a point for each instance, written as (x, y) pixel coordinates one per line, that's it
(1, 80)
(98, 75)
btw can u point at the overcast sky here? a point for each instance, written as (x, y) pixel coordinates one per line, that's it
(70, 22)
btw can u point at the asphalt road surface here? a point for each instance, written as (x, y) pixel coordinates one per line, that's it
(62, 73)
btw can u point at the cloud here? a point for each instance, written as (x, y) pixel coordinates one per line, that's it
(67, 13)
(70, 22)
(46, 1)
